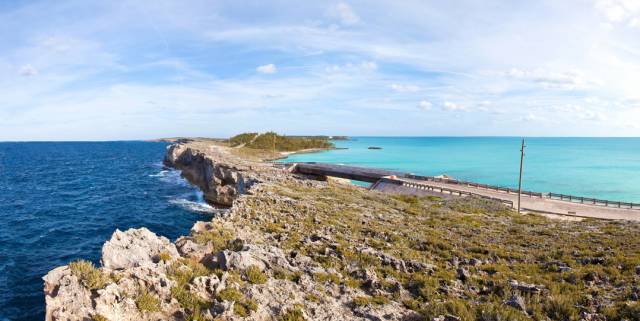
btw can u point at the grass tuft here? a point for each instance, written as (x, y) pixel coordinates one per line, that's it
(88, 274)
(148, 302)
(255, 276)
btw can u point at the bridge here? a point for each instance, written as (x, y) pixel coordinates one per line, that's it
(363, 174)
(404, 183)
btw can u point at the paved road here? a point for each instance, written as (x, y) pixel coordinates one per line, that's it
(546, 205)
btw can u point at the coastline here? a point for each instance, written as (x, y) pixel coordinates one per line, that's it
(283, 249)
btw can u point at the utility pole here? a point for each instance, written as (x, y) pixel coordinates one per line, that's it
(520, 179)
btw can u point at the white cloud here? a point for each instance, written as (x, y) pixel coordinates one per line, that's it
(568, 80)
(402, 88)
(344, 13)
(620, 11)
(424, 105)
(267, 69)
(450, 106)
(28, 71)
(365, 66)
(529, 117)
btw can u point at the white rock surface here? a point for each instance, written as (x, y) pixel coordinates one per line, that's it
(135, 247)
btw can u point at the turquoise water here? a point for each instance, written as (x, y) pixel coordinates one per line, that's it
(606, 168)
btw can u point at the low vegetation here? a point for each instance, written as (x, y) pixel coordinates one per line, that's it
(90, 276)
(471, 258)
(273, 142)
(255, 275)
(148, 302)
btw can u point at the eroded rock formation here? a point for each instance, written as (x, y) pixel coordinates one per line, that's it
(221, 180)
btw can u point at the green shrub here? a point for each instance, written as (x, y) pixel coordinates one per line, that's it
(499, 312)
(294, 314)
(220, 238)
(88, 274)
(366, 300)
(183, 272)
(164, 256)
(148, 302)
(255, 275)
(326, 277)
(242, 306)
(98, 317)
(273, 141)
(561, 308)
(241, 139)
(230, 294)
(623, 311)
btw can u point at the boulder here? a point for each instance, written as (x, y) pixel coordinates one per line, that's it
(188, 248)
(135, 247)
(517, 302)
(66, 298)
(463, 274)
(238, 260)
(205, 287)
(113, 305)
(525, 287)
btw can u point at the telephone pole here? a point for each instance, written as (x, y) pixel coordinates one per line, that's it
(520, 179)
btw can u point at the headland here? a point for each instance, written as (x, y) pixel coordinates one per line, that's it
(292, 247)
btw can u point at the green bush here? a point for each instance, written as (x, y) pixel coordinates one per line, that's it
(255, 275)
(220, 238)
(98, 317)
(148, 302)
(241, 139)
(164, 256)
(294, 314)
(273, 141)
(88, 274)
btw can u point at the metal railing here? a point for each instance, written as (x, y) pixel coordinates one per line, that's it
(593, 201)
(472, 184)
(451, 191)
(553, 196)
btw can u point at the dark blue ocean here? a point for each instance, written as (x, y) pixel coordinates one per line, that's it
(62, 201)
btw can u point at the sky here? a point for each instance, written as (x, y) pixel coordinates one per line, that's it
(138, 69)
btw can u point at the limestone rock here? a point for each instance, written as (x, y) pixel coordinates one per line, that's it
(66, 297)
(135, 247)
(517, 302)
(205, 286)
(188, 248)
(463, 274)
(238, 260)
(113, 305)
(525, 287)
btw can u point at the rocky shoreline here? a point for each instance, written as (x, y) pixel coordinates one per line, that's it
(291, 248)
(137, 262)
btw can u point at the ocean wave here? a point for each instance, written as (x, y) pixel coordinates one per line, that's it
(171, 176)
(194, 206)
(162, 173)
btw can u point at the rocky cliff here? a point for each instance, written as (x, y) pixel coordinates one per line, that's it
(296, 249)
(223, 270)
(220, 180)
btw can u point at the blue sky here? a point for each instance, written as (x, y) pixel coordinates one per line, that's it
(105, 70)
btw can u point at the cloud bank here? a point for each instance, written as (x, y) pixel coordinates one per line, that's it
(128, 69)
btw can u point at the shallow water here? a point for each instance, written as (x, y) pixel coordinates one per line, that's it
(606, 168)
(62, 201)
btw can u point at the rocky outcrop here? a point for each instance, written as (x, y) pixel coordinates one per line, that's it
(130, 267)
(135, 248)
(221, 180)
